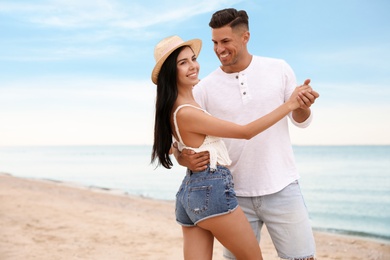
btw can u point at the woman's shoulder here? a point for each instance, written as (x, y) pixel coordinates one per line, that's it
(187, 108)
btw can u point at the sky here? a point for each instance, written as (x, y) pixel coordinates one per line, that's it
(78, 72)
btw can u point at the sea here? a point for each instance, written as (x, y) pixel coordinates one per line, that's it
(346, 188)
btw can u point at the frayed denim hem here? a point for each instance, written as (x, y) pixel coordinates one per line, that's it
(299, 258)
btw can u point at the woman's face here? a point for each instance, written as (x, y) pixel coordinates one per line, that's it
(187, 68)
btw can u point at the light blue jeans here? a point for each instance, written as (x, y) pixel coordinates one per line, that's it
(285, 215)
(205, 194)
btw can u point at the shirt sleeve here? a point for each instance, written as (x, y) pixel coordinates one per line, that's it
(199, 95)
(289, 80)
(290, 84)
(303, 124)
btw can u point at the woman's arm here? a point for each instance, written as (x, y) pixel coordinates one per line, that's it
(192, 121)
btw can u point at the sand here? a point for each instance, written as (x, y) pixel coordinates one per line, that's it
(44, 219)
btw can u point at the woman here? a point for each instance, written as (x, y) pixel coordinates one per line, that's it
(206, 205)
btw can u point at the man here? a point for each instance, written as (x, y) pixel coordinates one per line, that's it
(265, 175)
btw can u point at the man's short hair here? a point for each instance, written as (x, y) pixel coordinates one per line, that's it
(231, 17)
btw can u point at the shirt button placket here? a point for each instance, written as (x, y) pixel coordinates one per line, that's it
(243, 87)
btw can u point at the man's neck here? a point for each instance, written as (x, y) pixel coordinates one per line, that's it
(239, 66)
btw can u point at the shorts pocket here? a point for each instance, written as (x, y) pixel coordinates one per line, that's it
(198, 198)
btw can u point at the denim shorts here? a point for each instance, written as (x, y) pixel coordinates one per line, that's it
(205, 194)
(286, 217)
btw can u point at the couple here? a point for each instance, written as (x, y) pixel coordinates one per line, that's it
(256, 94)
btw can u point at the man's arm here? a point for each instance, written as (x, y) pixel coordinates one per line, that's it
(188, 158)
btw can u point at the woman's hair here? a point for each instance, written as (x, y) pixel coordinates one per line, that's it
(231, 17)
(167, 93)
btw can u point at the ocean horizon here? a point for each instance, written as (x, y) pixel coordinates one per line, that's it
(346, 188)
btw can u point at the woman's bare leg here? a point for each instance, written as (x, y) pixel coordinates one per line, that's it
(235, 233)
(198, 243)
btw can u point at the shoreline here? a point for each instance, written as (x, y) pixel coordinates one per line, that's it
(48, 219)
(347, 233)
(354, 234)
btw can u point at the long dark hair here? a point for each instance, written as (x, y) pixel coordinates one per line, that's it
(167, 93)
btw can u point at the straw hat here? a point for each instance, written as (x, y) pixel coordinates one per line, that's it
(168, 45)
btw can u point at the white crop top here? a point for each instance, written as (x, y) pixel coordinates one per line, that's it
(214, 145)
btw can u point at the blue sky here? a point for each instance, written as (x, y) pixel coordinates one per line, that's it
(78, 72)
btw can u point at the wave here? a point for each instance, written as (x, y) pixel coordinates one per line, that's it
(354, 233)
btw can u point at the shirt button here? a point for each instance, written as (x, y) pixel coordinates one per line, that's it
(236, 76)
(244, 93)
(242, 83)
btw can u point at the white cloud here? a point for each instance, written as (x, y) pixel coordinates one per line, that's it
(347, 114)
(345, 125)
(365, 94)
(74, 87)
(87, 29)
(64, 13)
(76, 111)
(92, 13)
(105, 111)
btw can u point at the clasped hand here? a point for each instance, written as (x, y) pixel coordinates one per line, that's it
(306, 95)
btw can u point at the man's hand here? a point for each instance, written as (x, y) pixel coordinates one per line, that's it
(188, 158)
(306, 99)
(196, 162)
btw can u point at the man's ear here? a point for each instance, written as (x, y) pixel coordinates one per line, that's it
(245, 36)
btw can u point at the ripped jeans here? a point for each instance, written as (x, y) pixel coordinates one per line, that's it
(205, 194)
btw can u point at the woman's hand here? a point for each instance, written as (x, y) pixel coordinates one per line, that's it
(303, 96)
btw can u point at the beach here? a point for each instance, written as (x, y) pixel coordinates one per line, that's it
(46, 219)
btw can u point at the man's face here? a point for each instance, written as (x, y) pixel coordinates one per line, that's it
(228, 45)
